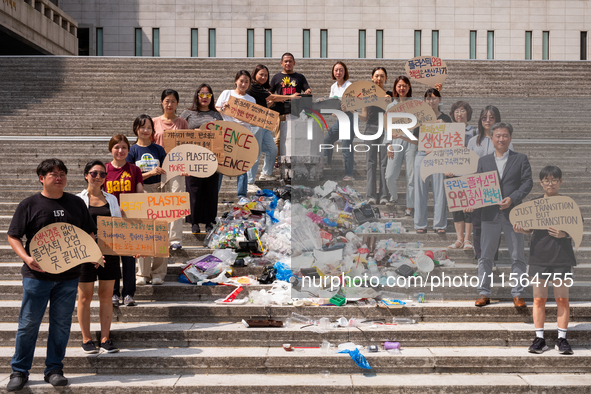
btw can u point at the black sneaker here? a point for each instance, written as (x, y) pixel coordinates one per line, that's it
(17, 381)
(56, 378)
(563, 347)
(538, 347)
(109, 347)
(195, 229)
(89, 348)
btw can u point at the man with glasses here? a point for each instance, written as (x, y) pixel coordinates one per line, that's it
(39, 287)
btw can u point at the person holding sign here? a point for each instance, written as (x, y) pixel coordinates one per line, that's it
(203, 192)
(50, 206)
(99, 203)
(123, 177)
(148, 157)
(514, 171)
(551, 259)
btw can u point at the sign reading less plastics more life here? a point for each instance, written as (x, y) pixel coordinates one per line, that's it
(155, 206)
(472, 191)
(132, 237)
(195, 160)
(253, 114)
(559, 212)
(241, 148)
(434, 136)
(459, 161)
(428, 70)
(363, 94)
(59, 247)
(423, 112)
(201, 137)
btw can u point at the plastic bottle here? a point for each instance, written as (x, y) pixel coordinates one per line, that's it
(372, 267)
(403, 320)
(380, 254)
(296, 317)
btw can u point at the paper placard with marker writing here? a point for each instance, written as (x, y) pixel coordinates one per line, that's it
(241, 148)
(472, 191)
(559, 212)
(459, 161)
(253, 114)
(155, 206)
(428, 70)
(435, 136)
(195, 160)
(363, 94)
(132, 237)
(423, 112)
(59, 247)
(202, 137)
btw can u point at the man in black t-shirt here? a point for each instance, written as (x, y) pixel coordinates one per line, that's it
(39, 287)
(288, 82)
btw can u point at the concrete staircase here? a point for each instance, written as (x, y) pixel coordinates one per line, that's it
(178, 341)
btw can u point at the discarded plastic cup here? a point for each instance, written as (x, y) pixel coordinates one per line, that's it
(325, 374)
(324, 323)
(325, 347)
(343, 322)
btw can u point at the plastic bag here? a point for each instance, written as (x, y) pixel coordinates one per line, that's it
(359, 359)
(283, 272)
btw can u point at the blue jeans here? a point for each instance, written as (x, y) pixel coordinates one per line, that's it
(421, 194)
(266, 144)
(395, 166)
(62, 298)
(242, 184)
(347, 146)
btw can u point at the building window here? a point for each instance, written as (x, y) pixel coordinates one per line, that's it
(155, 42)
(138, 42)
(211, 43)
(194, 45)
(417, 43)
(528, 45)
(490, 45)
(379, 44)
(361, 44)
(323, 43)
(306, 49)
(99, 41)
(435, 43)
(545, 45)
(268, 43)
(583, 45)
(472, 44)
(249, 42)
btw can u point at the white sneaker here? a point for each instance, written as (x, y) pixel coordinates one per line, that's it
(243, 201)
(265, 177)
(157, 281)
(371, 201)
(141, 281)
(252, 188)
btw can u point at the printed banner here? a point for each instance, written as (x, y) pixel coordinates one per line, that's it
(195, 160)
(155, 206)
(59, 247)
(427, 70)
(559, 212)
(420, 109)
(363, 94)
(436, 136)
(459, 161)
(241, 148)
(131, 237)
(472, 191)
(202, 137)
(253, 114)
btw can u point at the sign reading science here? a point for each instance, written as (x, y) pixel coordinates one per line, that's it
(240, 147)
(427, 70)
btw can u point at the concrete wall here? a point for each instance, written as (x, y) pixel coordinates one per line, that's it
(454, 19)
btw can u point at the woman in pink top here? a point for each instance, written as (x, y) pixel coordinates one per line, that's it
(169, 121)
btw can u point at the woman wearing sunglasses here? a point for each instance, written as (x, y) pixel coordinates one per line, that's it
(99, 203)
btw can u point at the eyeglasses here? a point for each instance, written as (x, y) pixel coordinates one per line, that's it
(55, 175)
(550, 182)
(204, 95)
(100, 174)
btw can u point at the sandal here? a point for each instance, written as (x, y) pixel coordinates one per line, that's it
(408, 212)
(456, 245)
(440, 231)
(468, 245)
(421, 231)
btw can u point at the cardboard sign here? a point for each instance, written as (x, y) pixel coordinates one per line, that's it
(418, 108)
(472, 191)
(427, 70)
(253, 114)
(201, 137)
(155, 206)
(459, 161)
(560, 212)
(241, 148)
(436, 136)
(363, 94)
(131, 237)
(195, 160)
(59, 247)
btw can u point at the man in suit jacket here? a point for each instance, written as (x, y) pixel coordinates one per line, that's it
(514, 172)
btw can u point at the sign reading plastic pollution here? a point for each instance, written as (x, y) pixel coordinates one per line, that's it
(559, 212)
(420, 109)
(253, 114)
(472, 191)
(427, 70)
(240, 147)
(195, 160)
(131, 237)
(436, 136)
(459, 161)
(155, 206)
(59, 247)
(363, 94)
(201, 137)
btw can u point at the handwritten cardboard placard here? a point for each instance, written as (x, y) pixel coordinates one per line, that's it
(59, 247)
(131, 237)
(459, 161)
(155, 206)
(423, 112)
(560, 212)
(241, 148)
(253, 114)
(195, 160)
(201, 137)
(363, 94)
(472, 191)
(428, 70)
(436, 136)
